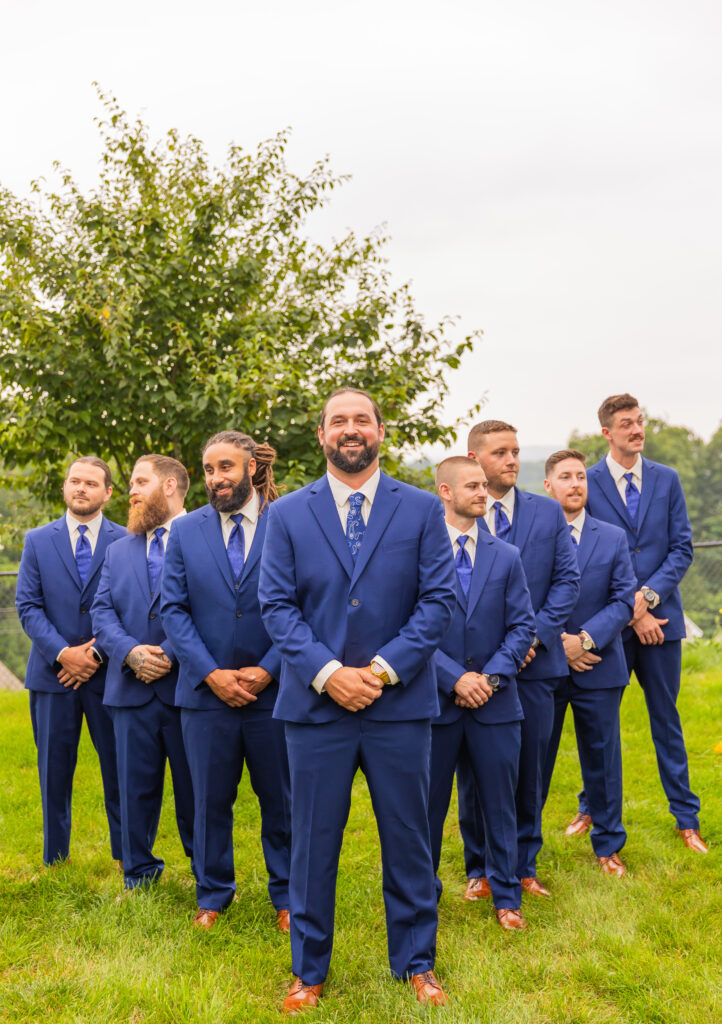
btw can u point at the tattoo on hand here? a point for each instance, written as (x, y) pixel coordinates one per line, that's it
(136, 660)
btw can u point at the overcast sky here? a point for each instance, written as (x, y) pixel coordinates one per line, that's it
(549, 172)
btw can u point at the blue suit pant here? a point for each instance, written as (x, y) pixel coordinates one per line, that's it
(395, 758)
(658, 670)
(596, 723)
(57, 720)
(492, 752)
(217, 743)
(145, 738)
(537, 701)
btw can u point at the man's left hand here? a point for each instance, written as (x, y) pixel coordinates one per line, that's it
(254, 678)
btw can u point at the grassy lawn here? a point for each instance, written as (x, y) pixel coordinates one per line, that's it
(647, 948)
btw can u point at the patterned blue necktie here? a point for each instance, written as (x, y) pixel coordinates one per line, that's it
(155, 557)
(632, 497)
(355, 525)
(502, 526)
(83, 554)
(237, 546)
(575, 542)
(463, 563)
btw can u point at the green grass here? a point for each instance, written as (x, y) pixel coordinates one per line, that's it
(647, 948)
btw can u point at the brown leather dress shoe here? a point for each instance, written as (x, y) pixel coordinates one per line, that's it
(301, 997)
(283, 920)
(579, 825)
(478, 889)
(511, 920)
(534, 887)
(612, 865)
(428, 990)
(206, 918)
(692, 840)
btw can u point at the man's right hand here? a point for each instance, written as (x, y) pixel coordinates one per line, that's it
(148, 661)
(227, 684)
(78, 665)
(649, 629)
(353, 688)
(472, 690)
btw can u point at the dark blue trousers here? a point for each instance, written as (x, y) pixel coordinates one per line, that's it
(596, 723)
(57, 720)
(145, 738)
(537, 701)
(658, 670)
(217, 743)
(394, 757)
(492, 752)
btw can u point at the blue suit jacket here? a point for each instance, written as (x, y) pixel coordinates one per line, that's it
(211, 621)
(54, 608)
(395, 601)
(661, 544)
(124, 614)
(540, 532)
(606, 602)
(491, 632)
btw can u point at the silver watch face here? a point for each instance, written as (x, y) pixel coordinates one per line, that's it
(587, 643)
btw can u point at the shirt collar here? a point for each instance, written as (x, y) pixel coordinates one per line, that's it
(578, 523)
(472, 533)
(618, 471)
(507, 502)
(249, 510)
(341, 491)
(150, 534)
(93, 525)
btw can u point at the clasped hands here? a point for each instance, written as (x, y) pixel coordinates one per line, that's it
(647, 627)
(238, 686)
(353, 688)
(78, 665)
(148, 661)
(472, 690)
(577, 658)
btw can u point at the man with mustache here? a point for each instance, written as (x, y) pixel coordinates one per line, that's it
(57, 580)
(357, 589)
(592, 641)
(142, 670)
(228, 669)
(645, 499)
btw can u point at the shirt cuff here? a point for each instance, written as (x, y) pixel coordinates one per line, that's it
(393, 678)
(61, 652)
(319, 682)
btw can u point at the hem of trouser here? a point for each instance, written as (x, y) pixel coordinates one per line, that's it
(411, 971)
(694, 824)
(136, 881)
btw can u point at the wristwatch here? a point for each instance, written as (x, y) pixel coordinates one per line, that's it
(650, 596)
(493, 681)
(380, 672)
(536, 642)
(587, 642)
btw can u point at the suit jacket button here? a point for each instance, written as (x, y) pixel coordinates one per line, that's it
(239, 615)
(83, 611)
(469, 661)
(152, 615)
(355, 602)
(637, 550)
(236, 586)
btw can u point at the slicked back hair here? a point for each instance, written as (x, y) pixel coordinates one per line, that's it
(615, 404)
(560, 456)
(93, 460)
(480, 430)
(262, 452)
(351, 391)
(164, 466)
(446, 470)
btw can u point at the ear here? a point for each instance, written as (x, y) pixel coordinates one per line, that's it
(547, 487)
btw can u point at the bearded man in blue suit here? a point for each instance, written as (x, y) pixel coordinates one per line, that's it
(592, 641)
(143, 670)
(477, 664)
(57, 580)
(228, 669)
(645, 499)
(357, 590)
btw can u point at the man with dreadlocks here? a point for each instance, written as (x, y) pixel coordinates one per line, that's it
(228, 669)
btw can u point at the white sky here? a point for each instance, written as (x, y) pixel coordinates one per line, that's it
(550, 172)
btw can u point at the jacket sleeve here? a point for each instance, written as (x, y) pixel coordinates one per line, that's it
(30, 603)
(564, 589)
(107, 626)
(609, 621)
(680, 552)
(519, 624)
(193, 655)
(448, 672)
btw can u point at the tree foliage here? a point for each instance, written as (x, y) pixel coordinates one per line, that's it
(177, 298)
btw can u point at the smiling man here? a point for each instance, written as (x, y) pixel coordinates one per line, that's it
(357, 590)
(228, 669)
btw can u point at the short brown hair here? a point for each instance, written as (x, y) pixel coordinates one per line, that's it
(262, 452)
(446, 470)
(614, 404)
(480, 430)
(164, 467)
(352, 391)
(93, 460)
(560, 456)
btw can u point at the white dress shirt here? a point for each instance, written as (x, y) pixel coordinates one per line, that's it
(507, 502)
(470, 547)
(248, 523)
(341, 492)
(577, 525)
(91, 534)
(618, 472)
(150, 534)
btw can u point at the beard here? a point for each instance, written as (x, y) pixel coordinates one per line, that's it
(355, 461)
(149, 513)
(85, 508)
(239, 495)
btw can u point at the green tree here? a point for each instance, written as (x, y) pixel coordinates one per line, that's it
(177, 298)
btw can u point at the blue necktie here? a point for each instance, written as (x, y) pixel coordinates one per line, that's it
(155, 557)
(83, 554)
(355, 526)
(502, 526)
(463, 563)
(237, 546)
(575, 542)
(632, 496)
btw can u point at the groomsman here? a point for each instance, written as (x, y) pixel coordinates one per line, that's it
(536, 526)
(476, 664)
(592, 641)
(142, 668)
(57, 580)
(645, 499)
(228, 669)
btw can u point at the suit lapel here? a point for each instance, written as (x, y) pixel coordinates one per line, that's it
(524, 512)
(588, 542)
(257, 544)
(324, 509)
(61, 540)
(485, 555)
(382, 511)
(649, 482)
(105, 535)
(609, 489)
(213, 534)
(139, 561)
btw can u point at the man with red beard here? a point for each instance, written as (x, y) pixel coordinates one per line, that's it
(143, 670)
